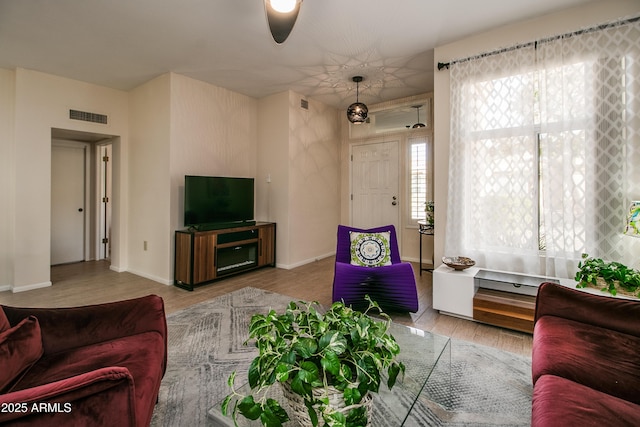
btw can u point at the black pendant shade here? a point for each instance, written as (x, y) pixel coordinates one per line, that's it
(281, 23)
(418, 125)
(357, 112)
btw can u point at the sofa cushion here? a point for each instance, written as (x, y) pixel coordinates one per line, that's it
(598, 358)
(560, 402)
(20, 348)
(141, 354)
(4, 322)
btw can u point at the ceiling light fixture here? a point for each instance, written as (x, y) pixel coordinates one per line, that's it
(357, 112)
(281, 17)
(418, 125)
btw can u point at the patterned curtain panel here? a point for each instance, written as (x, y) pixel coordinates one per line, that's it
(545, 153)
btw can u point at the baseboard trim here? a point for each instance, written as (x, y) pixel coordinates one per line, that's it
(151, 277)
(24, 288)
(304, 262)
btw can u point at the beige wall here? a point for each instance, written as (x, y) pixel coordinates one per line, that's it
(7, 194)
(272, 178)
(521, 32)
(314, 181)
(180, 126)
(149, 181)
(298, 153)
(42, 102)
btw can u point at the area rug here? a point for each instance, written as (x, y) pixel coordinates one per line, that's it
(485, 387)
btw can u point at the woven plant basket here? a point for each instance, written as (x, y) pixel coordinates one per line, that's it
(300, 414)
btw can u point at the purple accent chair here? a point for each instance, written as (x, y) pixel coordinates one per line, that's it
(392, 286)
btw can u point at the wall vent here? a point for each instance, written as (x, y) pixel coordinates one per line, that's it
(88, 117)
(304, 104)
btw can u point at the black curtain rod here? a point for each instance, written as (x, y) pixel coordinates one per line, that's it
(446, 65)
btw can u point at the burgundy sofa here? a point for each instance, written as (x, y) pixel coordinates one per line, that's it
(586, 359)
(95, 365)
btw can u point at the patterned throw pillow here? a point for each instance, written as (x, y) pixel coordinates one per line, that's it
(370, 249)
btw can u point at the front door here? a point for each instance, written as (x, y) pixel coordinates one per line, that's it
(375, 185)
(67, 203)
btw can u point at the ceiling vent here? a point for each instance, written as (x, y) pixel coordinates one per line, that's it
(304, 104)
(88, 117)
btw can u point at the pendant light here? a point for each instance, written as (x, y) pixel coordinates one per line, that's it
(357, 112)
(281, 17)
(418, 125)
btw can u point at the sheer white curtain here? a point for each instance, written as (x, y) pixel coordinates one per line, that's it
(544, 153)
(589, 89)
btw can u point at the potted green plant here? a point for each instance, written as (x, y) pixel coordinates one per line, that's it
(315, 357)
(612, 277)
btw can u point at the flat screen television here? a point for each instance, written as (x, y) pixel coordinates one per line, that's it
(217, 202)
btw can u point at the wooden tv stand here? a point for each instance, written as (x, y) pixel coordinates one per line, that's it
(204, 256)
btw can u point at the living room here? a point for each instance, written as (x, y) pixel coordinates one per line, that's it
(172, 125)
(167, 123)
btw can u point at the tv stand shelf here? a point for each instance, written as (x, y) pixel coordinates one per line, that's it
(205, 256)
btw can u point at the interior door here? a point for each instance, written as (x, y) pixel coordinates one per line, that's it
(67, 203)
(375, 185)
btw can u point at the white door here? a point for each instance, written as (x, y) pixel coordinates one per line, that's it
(375, 185)
(67, 203)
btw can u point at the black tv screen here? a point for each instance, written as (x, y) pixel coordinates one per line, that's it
(210, 200)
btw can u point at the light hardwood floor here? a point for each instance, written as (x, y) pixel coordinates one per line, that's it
(92, 283)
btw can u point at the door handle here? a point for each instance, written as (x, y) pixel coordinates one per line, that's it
(80, 210)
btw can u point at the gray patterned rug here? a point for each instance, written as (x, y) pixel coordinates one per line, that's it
(489, 387)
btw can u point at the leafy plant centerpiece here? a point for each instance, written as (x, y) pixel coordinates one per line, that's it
(612, 277)
(312, 353)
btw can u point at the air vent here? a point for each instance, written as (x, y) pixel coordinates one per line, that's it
(304, 104)
(88, 117)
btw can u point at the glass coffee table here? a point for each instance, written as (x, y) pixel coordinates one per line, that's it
(426, 356)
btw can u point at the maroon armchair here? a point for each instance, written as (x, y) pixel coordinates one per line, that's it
(94, 365)
(393, 286)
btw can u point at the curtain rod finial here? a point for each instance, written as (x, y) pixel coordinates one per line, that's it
(442, 65)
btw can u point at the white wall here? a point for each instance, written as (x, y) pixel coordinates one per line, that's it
(42, 102)
(7, 101)
(558, 23)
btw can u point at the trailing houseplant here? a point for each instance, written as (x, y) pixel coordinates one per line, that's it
(612, 277)
(311, 353)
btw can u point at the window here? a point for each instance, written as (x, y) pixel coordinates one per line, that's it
(418, 170)
(543, 153)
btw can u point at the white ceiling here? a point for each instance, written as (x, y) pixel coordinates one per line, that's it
(123, 43)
